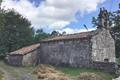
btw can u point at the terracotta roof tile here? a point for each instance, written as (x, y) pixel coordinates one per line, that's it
(26, 49)
(70, 36)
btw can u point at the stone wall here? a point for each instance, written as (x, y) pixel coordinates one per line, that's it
(28, 59)
(103, 51)
(75, 53)
(110, 67)
(15, 60)
(103, 46)
(31, 58)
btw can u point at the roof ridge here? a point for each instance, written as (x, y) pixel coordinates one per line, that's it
(65, 37)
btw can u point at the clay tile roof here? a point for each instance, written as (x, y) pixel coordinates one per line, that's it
(26, 49)
(70, 36)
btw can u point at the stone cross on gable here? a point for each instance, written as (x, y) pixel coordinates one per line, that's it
(103, 19)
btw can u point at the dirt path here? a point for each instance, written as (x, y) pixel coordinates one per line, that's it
(7, 76)
(17, 73)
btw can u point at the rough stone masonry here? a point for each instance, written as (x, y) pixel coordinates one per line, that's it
(95, 49)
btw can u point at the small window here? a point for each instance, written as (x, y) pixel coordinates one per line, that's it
(106, 60)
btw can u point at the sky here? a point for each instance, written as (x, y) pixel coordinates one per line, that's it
(60, 15)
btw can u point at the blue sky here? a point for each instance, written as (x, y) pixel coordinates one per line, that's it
(110, 5)
(60, 15)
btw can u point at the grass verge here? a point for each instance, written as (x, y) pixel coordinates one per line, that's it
(74, 72)
(1, 75)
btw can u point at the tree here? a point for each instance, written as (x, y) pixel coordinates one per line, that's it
(39, 31)
(2, 20)
(63, 33)
(40, 35)
(15, 33)
(115, 29)
(1, 15)
(55, 33)
(0, 2)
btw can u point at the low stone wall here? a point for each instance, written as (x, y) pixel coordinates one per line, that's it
(14, 60)
(30, 59)
(106, 66)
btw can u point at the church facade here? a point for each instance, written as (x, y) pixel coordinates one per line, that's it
(95, 49)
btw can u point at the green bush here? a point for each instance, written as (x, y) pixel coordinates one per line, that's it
(118, 61)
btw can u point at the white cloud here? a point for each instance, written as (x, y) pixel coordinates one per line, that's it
(53, 13)
(71, 31)
(59, 24)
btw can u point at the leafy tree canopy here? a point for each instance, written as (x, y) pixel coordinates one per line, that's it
(15, 31)
(40, 35)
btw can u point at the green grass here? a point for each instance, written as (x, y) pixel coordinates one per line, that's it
(1, 75)
(74, 72)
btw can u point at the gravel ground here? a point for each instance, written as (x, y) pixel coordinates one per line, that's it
(17, 73)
